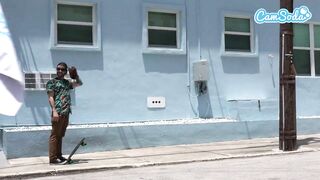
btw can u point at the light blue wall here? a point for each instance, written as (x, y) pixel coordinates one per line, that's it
(119, 78)
(308, 97)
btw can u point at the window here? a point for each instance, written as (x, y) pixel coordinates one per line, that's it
(164, 29)
(237, 34)
(306, 49)
(38, 81)
(75, 25)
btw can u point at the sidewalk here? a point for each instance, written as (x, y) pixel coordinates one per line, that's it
(38, 166)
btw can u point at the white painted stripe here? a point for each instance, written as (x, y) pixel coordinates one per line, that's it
(125, 124)
(308, 117)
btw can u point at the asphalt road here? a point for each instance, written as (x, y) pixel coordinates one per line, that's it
(296, 166)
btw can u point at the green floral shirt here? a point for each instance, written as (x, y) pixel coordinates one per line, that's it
(62, 99)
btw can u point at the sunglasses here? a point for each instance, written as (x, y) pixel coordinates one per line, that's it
(61, 69)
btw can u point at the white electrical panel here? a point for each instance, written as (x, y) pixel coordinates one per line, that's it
(156, 102)
(201, 70)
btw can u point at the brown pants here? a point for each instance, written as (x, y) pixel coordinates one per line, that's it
(57, 133)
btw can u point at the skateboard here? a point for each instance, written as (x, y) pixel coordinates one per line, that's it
(81, 143)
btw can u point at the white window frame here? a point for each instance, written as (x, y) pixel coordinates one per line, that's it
(38, 79)
(311, 49)
(96, 35)
(176, 29)
(253, 44)
(180, 29)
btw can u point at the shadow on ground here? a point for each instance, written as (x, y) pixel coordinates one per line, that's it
(307, 141)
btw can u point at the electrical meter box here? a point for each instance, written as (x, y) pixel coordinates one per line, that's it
(200, 70)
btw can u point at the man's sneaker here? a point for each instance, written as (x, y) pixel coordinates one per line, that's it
(62, 159)
(56, 161)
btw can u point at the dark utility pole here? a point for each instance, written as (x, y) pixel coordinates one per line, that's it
(287, 123)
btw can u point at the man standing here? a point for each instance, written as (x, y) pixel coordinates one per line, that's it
(58, 90)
